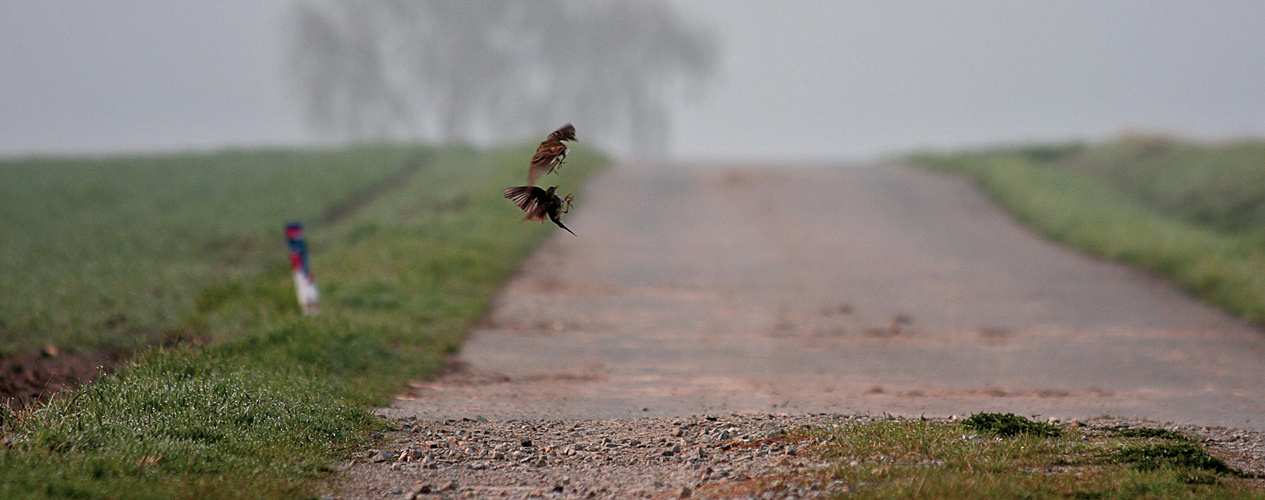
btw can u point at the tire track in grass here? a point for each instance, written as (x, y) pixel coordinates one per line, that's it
(394, 180)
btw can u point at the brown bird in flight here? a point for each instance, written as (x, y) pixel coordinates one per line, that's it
(539, 203)
(550, 154)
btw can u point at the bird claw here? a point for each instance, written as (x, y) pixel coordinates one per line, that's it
(567, 200)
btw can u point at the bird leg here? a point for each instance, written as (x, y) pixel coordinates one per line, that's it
(567, 200)
(557, 162)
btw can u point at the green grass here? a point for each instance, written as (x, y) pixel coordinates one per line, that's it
(184, 424)
(1052, 190)
(927, 459)
(111, 252)
(1221, 186)
(1009, 424)
(269, 398)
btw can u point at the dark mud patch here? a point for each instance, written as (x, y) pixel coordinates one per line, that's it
(31, 378)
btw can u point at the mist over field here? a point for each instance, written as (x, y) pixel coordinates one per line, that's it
(799, 79)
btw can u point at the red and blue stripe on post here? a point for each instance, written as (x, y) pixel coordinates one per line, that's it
(305, 286)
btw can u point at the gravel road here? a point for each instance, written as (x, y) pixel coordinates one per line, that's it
(767, 298)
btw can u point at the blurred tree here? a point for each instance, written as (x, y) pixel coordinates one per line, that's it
(492, 70)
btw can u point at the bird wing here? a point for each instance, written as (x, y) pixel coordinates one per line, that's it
(528, 198)
(545, 159)
(550, 153)
(564, 133)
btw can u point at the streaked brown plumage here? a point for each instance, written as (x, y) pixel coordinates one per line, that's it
(550, 154)
(541, 203)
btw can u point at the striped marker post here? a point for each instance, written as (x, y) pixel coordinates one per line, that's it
(309, 299)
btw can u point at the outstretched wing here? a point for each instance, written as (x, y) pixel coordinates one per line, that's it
(564, 133)
(528, 198)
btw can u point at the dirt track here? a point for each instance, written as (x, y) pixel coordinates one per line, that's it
(870, 290)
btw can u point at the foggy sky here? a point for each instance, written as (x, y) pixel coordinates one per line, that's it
(800, 79)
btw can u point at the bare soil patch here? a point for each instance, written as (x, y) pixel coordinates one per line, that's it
(35, 376)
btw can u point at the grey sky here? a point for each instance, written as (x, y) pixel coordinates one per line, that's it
(141, 74)
(825, 78)
(801, 79)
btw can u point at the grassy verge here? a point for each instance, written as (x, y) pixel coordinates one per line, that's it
(1052, 190)
(1220, 186)
(183, 424)
(1005, 456)
(270, 398)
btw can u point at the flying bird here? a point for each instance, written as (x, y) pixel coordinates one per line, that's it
(550, 154)
(539, 203)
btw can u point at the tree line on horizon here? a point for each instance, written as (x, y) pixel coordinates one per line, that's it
(481, 71)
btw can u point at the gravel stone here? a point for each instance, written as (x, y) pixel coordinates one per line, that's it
(575, 459)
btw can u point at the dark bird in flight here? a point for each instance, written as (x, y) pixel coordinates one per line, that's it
(550, 154)
(539, 203)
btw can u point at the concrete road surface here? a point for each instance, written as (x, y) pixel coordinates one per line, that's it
(880, 289)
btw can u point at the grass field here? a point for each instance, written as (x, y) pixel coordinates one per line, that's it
(268, 399)
(112, 252)
(1190, 212)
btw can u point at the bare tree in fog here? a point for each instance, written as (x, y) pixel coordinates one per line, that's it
(496, 69)
(341, 73)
